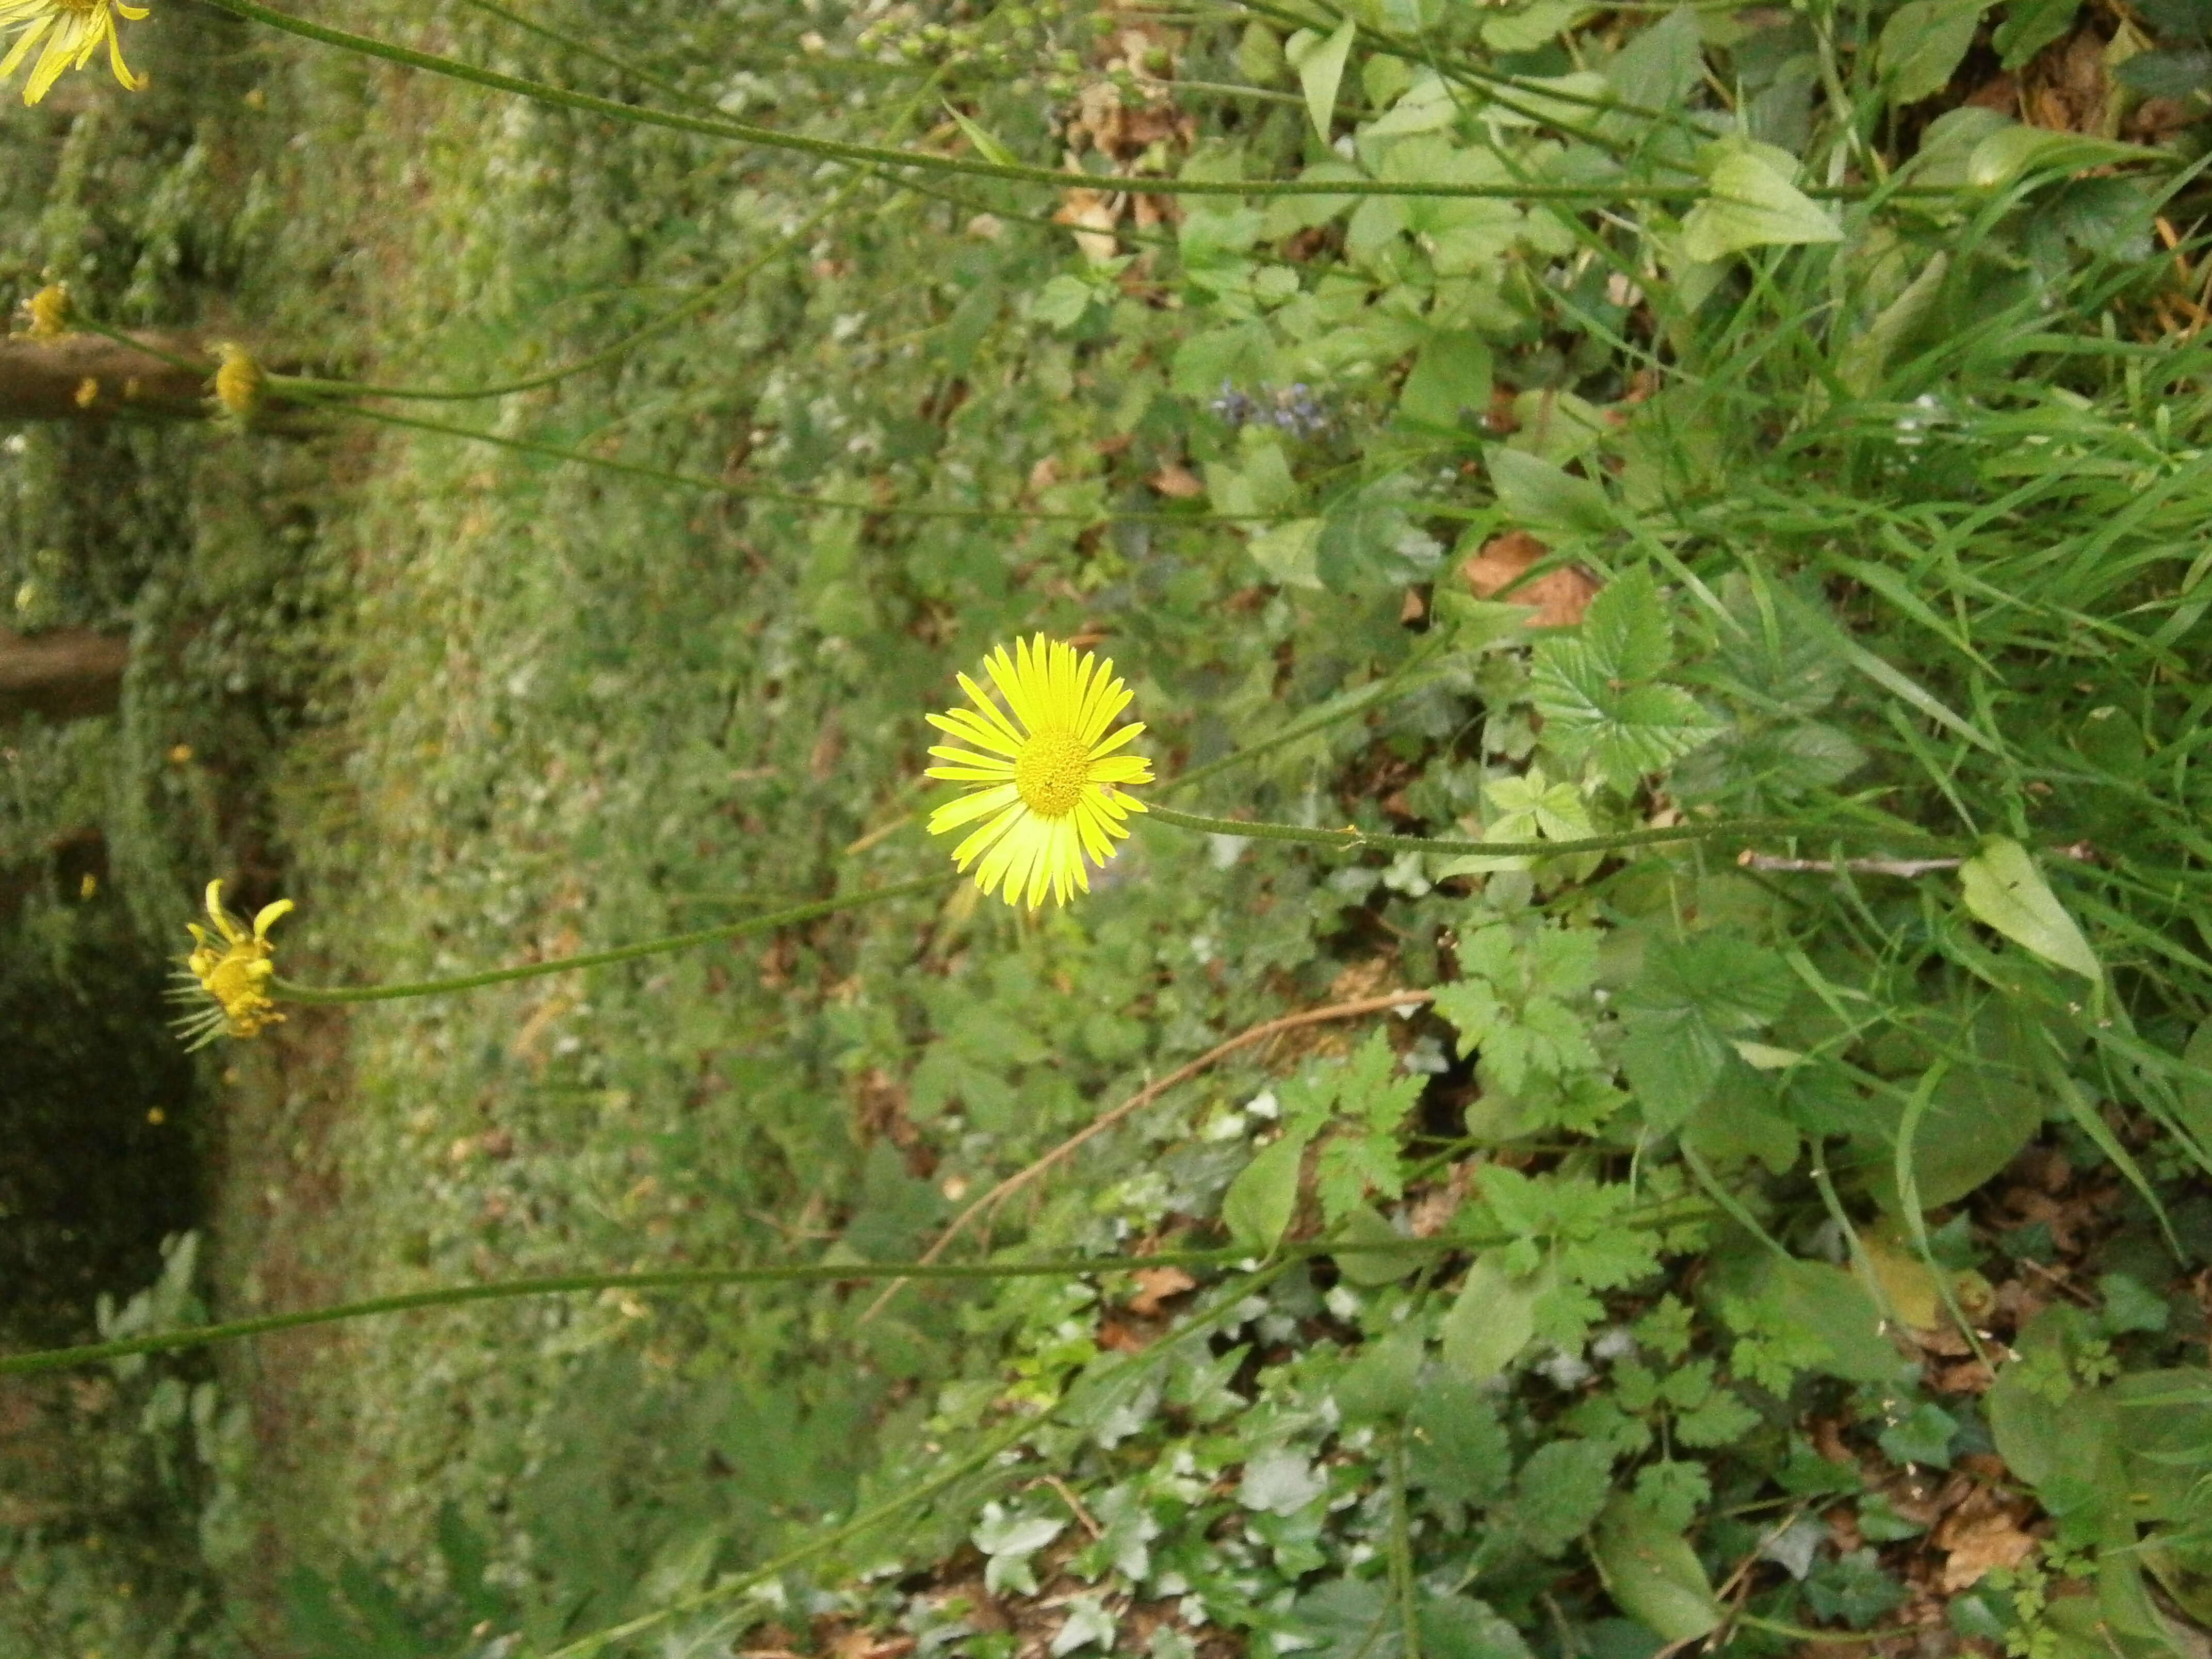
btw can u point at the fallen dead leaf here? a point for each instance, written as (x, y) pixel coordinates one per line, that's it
(1156, 1285)
(1561, 596)
(1178, 481)
(1980, 1535)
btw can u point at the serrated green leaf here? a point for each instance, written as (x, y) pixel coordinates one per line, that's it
(1457, 1449)
(2005, 890)
(1627, 629)
(1754, 203)
(1652, 1573)
(1560, 1491)
(1450, 381)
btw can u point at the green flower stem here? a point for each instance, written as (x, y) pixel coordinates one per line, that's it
(1667, 1213)
(763, 492)
(1358, 840)
(283, 990)
(676, 1279)
(883, 155)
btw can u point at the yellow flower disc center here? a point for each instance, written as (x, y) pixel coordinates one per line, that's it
(1050, 772)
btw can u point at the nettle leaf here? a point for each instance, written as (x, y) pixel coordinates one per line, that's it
(1679, 1013)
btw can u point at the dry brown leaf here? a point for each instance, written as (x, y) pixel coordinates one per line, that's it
(1980, 1535)
(1178, 481)
(1156, 1285)
(1561, 596)
(1092, 215)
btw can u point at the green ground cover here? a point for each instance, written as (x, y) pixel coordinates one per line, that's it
(1759, 1192)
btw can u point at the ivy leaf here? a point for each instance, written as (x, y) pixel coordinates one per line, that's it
(2006, 892)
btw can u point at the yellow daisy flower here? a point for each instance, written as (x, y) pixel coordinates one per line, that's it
(71, 31)
(1050, 785)
(238, 381)
(229, 973)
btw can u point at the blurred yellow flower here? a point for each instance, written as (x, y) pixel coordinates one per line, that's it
(1050, 787)
(238, 383)
(71, 31)
(229, 973)
(49, 310)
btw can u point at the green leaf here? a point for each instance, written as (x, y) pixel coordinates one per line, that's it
(1062, 301)
(1320, 64)
(1627, 629)
(1679, 1013)
(1379, 1383)
(1490, 1321)
(2029, 25)
(985, 145)
(1460, 1627)
(1286, 552)
(1259, 1203)
(2005, 890)
(1450, 380)
(1457, 1449)
(1369, 1268)
(1922, 44)
(1560, 1491)
(1661, 65)
(1652, 1573)
(1754, 203)
(2012, 152)
(1538, 495)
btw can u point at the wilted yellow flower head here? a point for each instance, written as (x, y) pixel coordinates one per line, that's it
(71, 31)
(49, 311)
(226, 976)
(238, 382)
(1050, 787)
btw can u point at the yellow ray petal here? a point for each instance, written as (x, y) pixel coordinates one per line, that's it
(954, 813)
